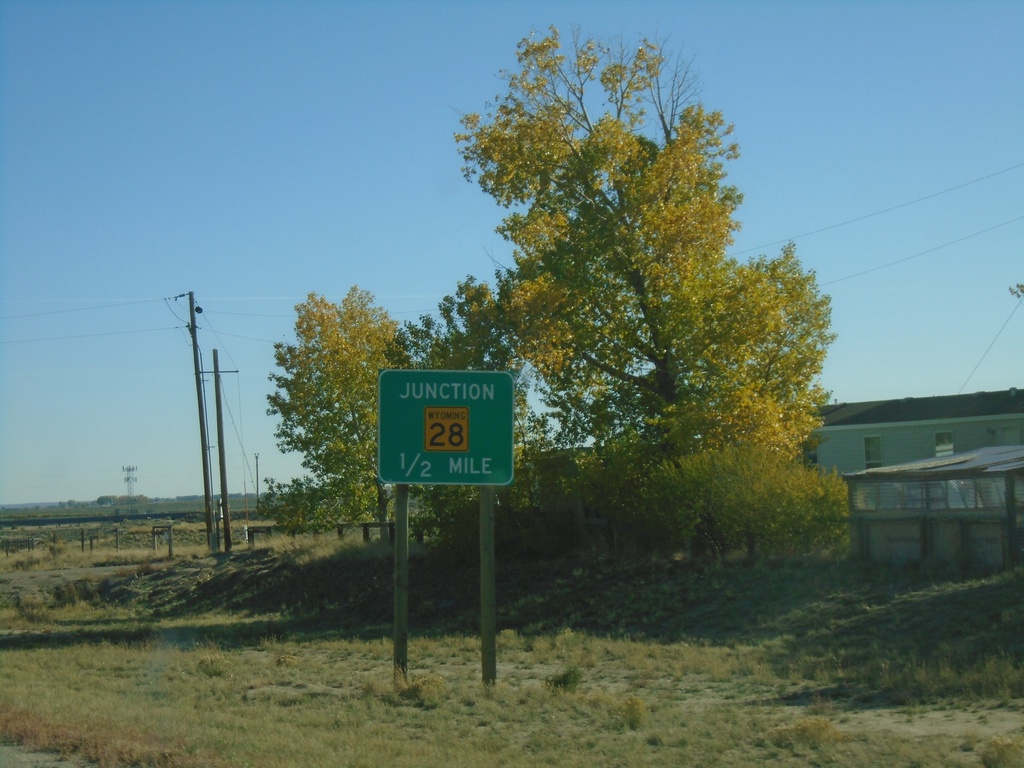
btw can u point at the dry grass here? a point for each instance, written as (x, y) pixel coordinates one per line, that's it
(123, 685)
(1003, 752)
(65, 548)
(334, 700)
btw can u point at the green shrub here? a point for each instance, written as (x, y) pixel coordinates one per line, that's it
(568, 680)
(738, 498)
(755, 499)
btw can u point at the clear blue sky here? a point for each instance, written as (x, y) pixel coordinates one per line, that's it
(253, 152)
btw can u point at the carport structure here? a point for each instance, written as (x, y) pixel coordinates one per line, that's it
(966, 508)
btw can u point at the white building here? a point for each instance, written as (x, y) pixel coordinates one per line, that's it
(859, 436)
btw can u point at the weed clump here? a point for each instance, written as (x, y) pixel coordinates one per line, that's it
(568, 680)
(31, 608)
(1003, 752)
(211, 664)
(421, 692)
(633, 711)
(806, 732)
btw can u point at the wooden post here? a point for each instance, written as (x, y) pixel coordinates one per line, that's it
(81, 531)
(117, 539)
(193, 310)
(170, 542)
(1012, 548)
(220, 451)
(488, 613)
(401, 630)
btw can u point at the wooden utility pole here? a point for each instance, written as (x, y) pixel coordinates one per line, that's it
(204, 443)
(220, 454)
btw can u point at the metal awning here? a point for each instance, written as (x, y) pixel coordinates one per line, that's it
(999, 460)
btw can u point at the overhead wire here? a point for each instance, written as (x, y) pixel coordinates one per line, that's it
(235, 426)
(80, 309)
(923, 253)
(88, 335)
(880, 212)
(989, 348)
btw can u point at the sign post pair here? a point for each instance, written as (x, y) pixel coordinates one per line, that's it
(445, 428)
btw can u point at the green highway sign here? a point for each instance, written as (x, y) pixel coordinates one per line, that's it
(445, 427)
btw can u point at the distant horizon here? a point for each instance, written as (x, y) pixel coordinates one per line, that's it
(85, 503)
(247, 493)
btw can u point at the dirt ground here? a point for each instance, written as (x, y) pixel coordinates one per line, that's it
(41, 584)
(19, 757)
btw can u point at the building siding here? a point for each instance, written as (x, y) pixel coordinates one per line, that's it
(841, 448)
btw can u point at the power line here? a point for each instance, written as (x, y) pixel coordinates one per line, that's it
(251, 314)
(225, 403)
(247, 338)
(81, 309)
(223, 346)
(921, 253)
(167, 303)
(989, 349)
(879, 213)
(88, 335)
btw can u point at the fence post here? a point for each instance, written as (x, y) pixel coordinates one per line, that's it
(170, 542)
(81, 532)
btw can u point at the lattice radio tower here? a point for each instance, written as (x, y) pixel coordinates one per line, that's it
(129, 481)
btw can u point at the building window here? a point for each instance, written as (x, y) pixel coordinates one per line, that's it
(872, 452)
(943, 443)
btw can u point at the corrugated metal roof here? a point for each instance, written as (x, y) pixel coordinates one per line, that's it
(1008, 401)
(998, 460)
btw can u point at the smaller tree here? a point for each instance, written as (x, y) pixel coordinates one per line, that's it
(326, 398)
(469, 332)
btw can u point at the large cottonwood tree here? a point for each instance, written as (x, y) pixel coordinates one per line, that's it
(622, 296)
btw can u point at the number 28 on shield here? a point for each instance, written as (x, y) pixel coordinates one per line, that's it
(445, 429)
